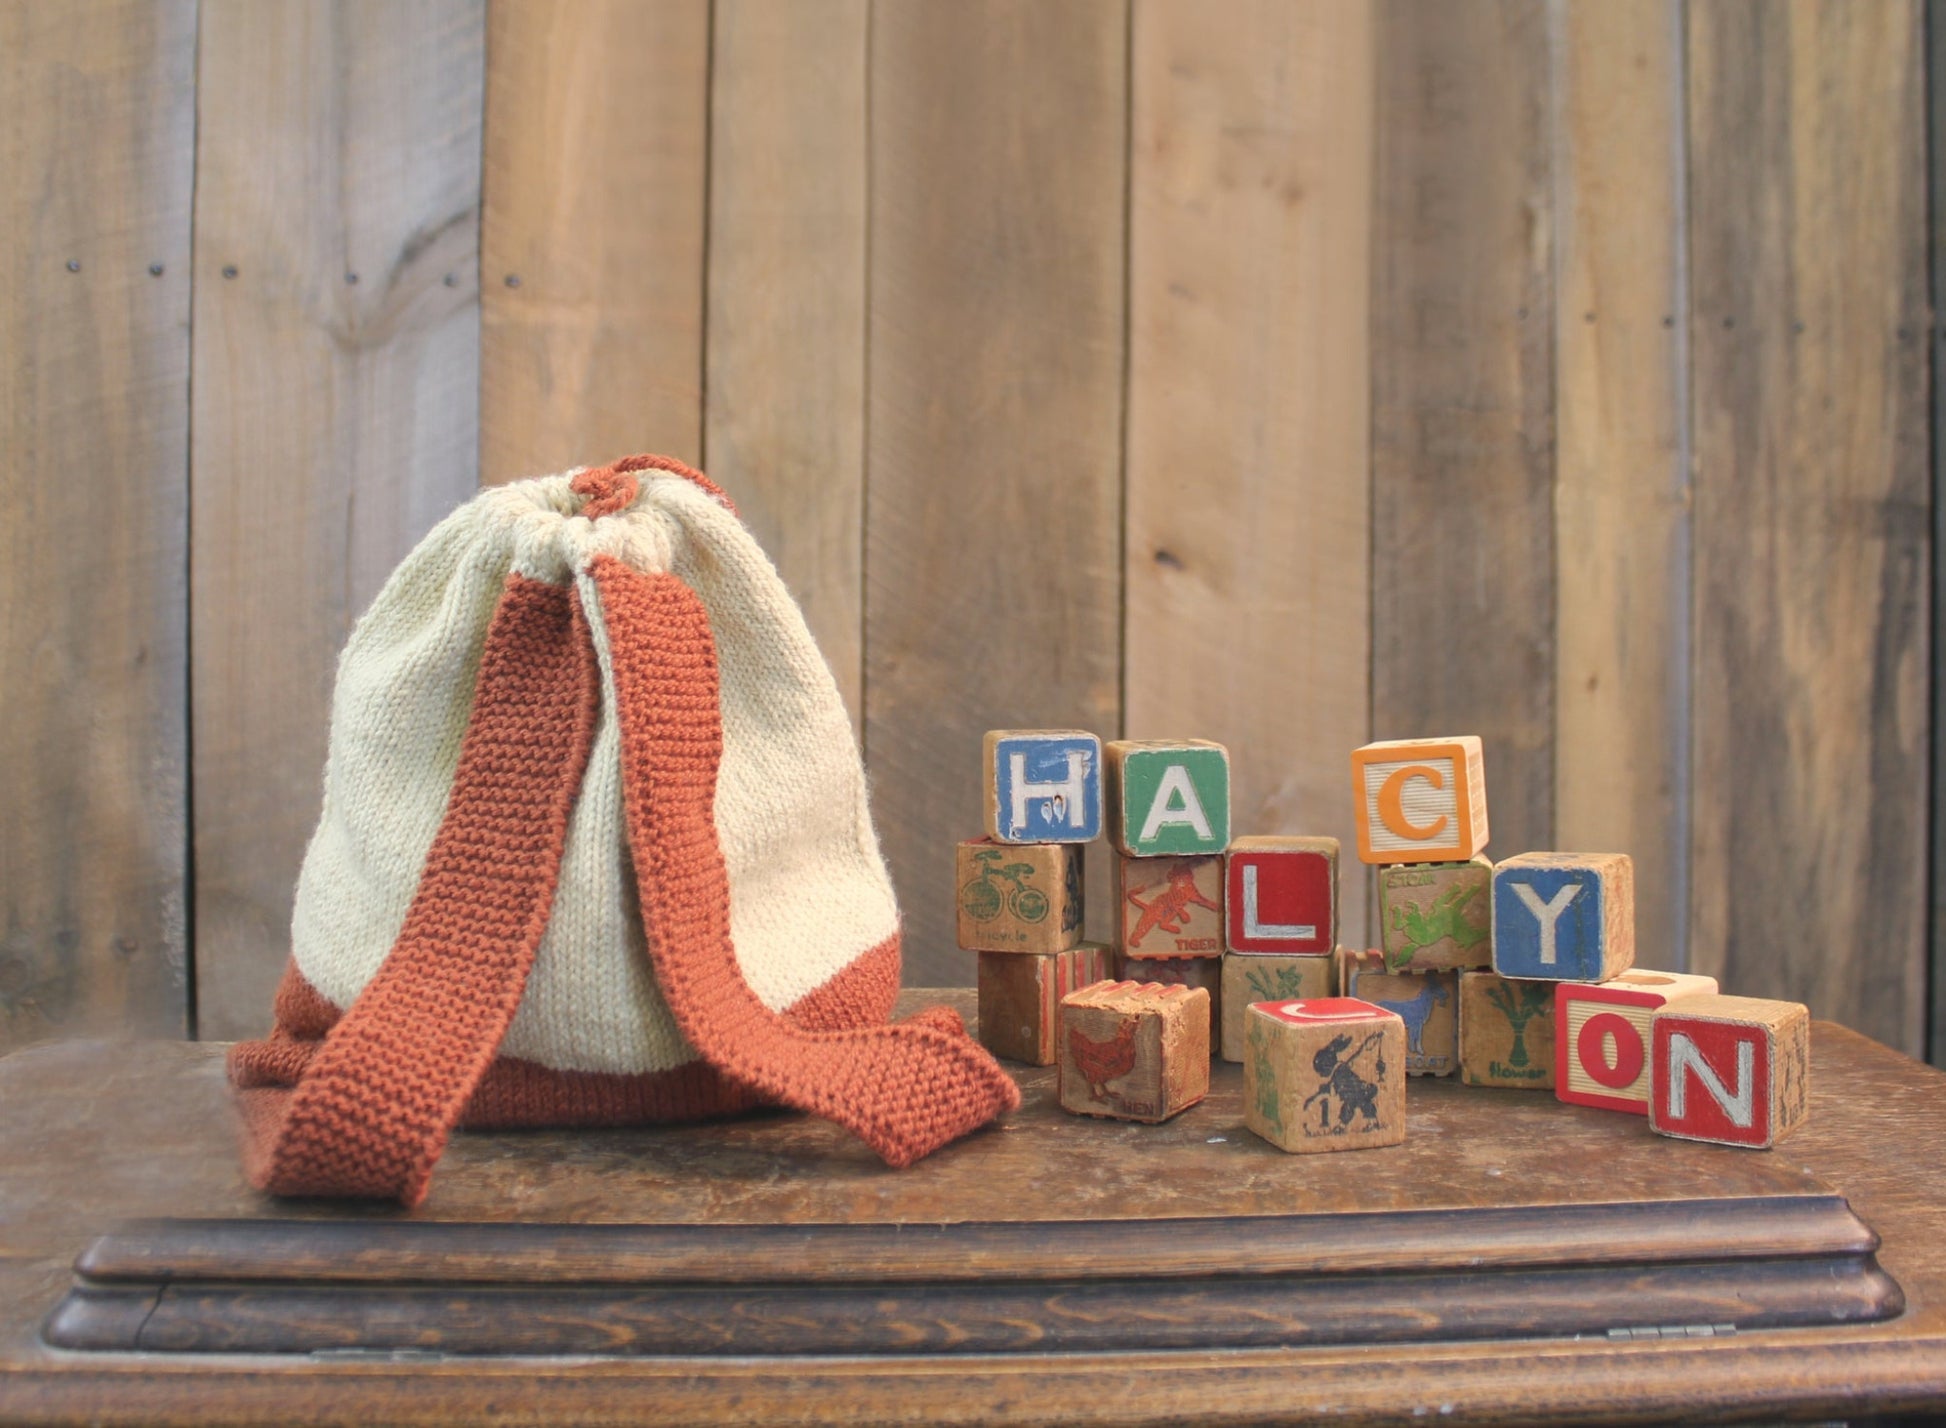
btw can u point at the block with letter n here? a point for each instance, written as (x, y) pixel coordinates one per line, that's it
(1420, 800)
(1042, 785)
(1601, 1046)
(1732, 1070)
(1564, 917)
(1282, 896)
(1168, 797)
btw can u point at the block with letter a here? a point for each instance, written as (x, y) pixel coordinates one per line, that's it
(1282, 896)
(1042, 785)
(1420, 800)
(1601, 1035)
(1564, 917)
(1168, 796)
(1732, 1070)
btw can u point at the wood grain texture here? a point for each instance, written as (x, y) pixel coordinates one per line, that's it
(1463, 396)
(1621, 484)
(335, 404)
(1936, 250)
(993, 498)
(596, 164)
(97, 118)
(1807, 235)
(1248, 590)
(784, 402)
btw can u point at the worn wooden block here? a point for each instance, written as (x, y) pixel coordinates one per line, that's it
(1281, 896)
(1042, 785)
(1167, 796)
(1020, 997)
(1169, 907)
(1324, 1074)
(1601, 1043)
(1434, 915)
(1506, 1032)
(1019, 897)
(1203, 972)
(1733, 1070)
(1258, 978)
(1564, 917)
(1420, 800)
(1427, 1002)
(1137, 1051)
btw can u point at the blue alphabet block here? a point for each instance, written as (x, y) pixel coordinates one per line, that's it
(1043, 785)
(1564, 917)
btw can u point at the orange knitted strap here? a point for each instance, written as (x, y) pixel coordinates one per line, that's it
(905, 1089)
(609, 489)
(378, 1099)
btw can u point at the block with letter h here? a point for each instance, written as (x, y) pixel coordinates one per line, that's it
(1042, 785)
(1420, 800)
(1601, 1035)
(1282, 896)
(1168, 797)
(1732, 1070)
(1564, 917)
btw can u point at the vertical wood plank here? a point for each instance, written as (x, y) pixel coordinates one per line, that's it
(335, 407)
(1463, 396)
(993, 497)
(1807, 235)
(1936, 233)
(592, 274)
(1621, 497)
(1248, 577)
(97, 134)
(784, 414)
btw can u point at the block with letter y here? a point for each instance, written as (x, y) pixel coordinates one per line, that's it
(1564, 917)
(1042, 785)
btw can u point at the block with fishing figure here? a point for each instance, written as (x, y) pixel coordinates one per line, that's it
(1731, 1070)
(1019, 897)
(1255, 977)
(1020, 997)
(1136, 1051)
(1192, 972)
(1281, 896)
(1169, 907)
(1506, 1032)
(1420, 800)
(1601, 1035)
(1427, 1002)
(1564, 917)
(1324, 1073)
(1434, 915)
(1167, 796)
(1042, 785)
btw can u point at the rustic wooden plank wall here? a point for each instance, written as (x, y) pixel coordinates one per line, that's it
(1282, 371)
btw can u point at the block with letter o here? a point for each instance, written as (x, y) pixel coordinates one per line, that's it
(1732, 1070)
(1601, 1035)
(1420, 800)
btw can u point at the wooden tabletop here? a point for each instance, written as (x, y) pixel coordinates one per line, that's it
(1048, 1268)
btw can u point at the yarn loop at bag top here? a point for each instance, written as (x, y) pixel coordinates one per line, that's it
(611, 489)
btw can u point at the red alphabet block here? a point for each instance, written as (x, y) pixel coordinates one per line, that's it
(1733, 1070)
(1601, 1035)
(1282, 896)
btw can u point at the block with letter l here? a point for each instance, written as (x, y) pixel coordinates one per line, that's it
(1732, 1070)
(1042, 785)
(1281, 896)
(1564, 917)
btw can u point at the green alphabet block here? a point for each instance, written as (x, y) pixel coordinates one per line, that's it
(1168, 797)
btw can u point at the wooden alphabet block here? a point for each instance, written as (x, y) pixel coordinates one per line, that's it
(1506, 1032)
(1324, 1074)
(1168, 797)
(1257, 978)
(1732, 1070)
(1019, 897)
(1138, 1051)
(1282, 896)
(1420, 800)
(1193, 972)
(1564, 917)
(1434, 915)
(1042, 785)
(1170, 907)
(1427, 1002)
(1020, 997)
(1601, 1043)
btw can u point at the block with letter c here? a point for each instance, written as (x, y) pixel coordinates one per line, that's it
(1420, 800)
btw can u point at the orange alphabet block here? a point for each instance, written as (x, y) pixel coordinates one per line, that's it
(1420, 800)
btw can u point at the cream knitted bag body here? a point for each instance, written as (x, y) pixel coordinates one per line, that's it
(595, 849)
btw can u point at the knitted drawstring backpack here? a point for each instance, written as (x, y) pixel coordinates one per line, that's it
(595, 850)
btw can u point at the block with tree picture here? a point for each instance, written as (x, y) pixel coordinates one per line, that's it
(1251, 978)
(1506, 1032)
